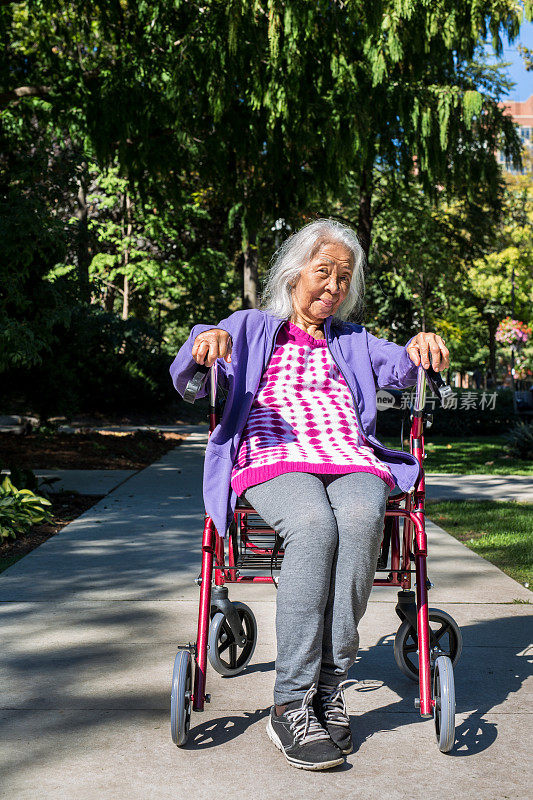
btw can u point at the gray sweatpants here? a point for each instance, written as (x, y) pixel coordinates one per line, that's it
(332, 526)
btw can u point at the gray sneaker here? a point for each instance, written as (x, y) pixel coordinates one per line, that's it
(299, 735)
(330, 708)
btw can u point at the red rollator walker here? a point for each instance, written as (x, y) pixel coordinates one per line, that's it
(427, 644)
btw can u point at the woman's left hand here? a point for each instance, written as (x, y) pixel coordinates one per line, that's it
(425, 343)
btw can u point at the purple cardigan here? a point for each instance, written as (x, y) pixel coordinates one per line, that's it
(364, 360)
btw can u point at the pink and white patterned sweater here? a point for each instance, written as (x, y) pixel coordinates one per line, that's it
(302, 418)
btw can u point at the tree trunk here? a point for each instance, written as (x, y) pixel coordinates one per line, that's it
(82, 243)
(126, 298)
(126, 295)
(250, 287)
(109, 299)
(492, 325)
(366, 190)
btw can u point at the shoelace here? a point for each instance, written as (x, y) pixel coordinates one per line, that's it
(333, 703)
(303, 721)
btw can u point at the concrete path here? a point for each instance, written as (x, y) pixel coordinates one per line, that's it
(438, 486)
(100, 481)
(85, 481)
(91, 621)
(442, 486)
(16, 424)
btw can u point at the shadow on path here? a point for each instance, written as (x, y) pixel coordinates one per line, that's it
(496, 660)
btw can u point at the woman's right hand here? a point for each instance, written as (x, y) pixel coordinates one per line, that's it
(210, 345)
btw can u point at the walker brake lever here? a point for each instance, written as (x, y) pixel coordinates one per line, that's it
(195, 384)
(437, 385)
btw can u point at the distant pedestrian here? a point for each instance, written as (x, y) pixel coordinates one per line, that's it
(478, 378)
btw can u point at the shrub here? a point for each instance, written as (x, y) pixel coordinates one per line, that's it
(100, 364)
(20, 509)
(478, 418)
(520, 441)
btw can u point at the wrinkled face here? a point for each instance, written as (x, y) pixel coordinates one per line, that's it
(323, 283)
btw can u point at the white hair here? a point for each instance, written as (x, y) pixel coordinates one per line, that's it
(296, 252)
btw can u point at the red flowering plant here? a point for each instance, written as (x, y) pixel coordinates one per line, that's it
(512, 331)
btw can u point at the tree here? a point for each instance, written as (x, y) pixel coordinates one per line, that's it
(500, 283)
(271, 102)
(390, 83)
(218, 125)
(418, 268)
(33, 177)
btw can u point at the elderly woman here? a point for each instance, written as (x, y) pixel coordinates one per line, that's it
(297, 439)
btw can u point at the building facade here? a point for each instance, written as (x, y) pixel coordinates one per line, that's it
(522, 114)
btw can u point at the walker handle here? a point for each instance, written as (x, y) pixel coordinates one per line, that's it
(437, 385)
(196, 383)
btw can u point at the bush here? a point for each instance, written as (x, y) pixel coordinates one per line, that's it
(20, 509)
(478, 418)
(100, 364)
(475, 420)
(520, 441)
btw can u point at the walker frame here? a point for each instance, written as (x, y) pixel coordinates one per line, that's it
(250, 545)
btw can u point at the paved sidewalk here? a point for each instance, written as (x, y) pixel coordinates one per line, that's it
(16, 424)
(100, 481)
(442, 486)
(90, 623)
(85, 481)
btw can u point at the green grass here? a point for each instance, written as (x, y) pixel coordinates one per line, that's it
(500, 531)
(484, 455)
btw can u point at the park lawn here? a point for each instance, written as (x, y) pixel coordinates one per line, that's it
(482, 455)
(500, 531)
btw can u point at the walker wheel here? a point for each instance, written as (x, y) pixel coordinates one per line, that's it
(227, 656)
(444, 637)
(181, 698)
(444, 708)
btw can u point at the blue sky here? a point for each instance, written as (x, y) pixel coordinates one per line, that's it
(516, 70)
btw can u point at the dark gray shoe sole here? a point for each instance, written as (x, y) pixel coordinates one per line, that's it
(272, 735)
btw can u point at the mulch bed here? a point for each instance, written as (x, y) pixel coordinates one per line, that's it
(100, 450)
(94, 450)
(66, 506)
